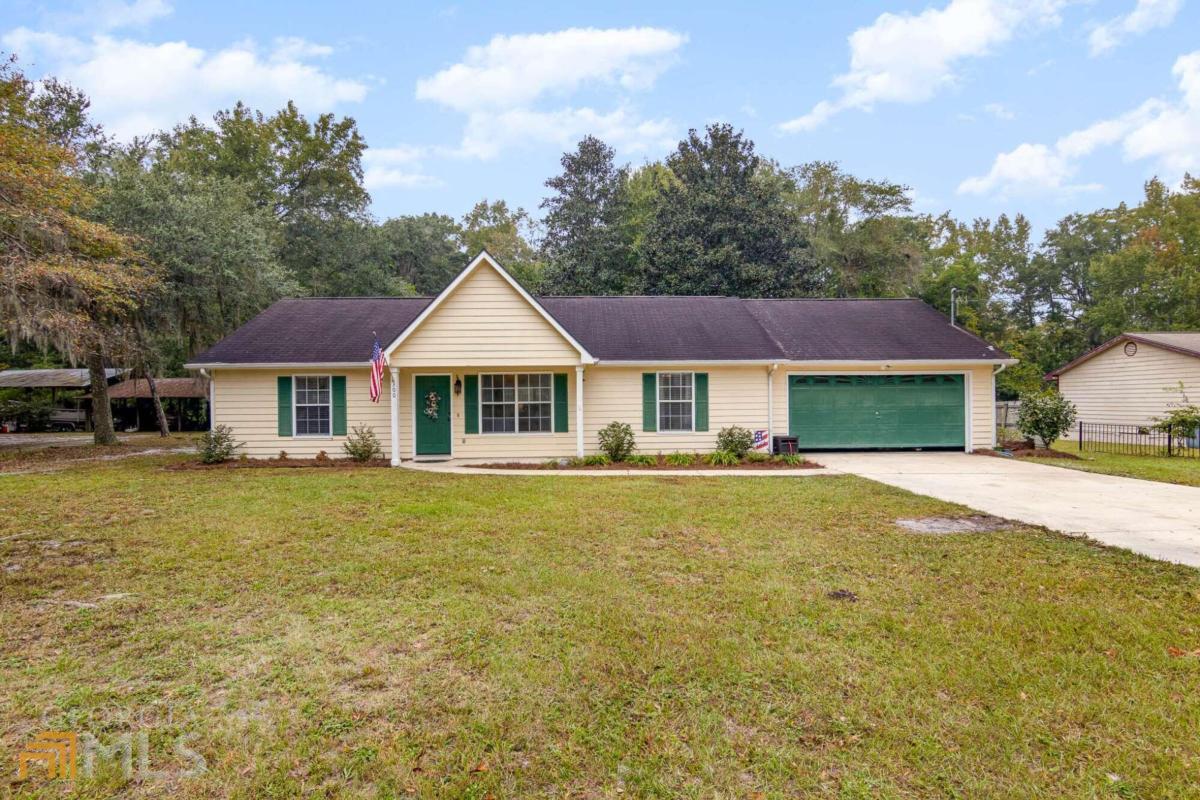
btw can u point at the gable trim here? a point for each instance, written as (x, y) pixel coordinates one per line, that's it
(1113, 342)
(483, 256)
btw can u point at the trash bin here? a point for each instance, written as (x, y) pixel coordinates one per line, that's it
(785, 444)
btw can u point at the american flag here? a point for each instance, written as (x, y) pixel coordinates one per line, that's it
(378, 362)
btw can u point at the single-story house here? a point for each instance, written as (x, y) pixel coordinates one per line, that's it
(1133, 378)
(486, 370)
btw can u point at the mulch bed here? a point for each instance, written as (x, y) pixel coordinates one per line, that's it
(1024, 449)
(660, 465)
(276, 463)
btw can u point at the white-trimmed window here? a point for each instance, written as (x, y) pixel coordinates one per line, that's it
(517, 403)
(676, 401)
(313, 405)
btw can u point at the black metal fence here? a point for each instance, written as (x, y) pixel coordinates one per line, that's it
(1136, 440)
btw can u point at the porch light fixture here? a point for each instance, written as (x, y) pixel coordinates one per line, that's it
(458, 386)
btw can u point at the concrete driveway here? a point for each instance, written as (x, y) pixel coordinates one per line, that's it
(1160, 520)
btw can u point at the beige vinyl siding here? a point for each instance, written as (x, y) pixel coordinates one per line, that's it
(1116, 388)
(980, 386)
(484, 322)
(247, 401)
(736, 396)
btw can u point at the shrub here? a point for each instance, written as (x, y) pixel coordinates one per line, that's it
(735, 440)
(1046, 416)
(554, 463)
(723, 458)
(322, 457)
(283, 456)
(1182, 422)
(681, 459)
(791, 459)
(598, 460)
(757, 457)
(362, 444)
(30, 413)
(617, 442)
(217, 445)
(641, 460)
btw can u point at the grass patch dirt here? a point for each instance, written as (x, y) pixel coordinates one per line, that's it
(383, 633)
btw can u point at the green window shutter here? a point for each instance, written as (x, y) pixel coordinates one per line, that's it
(284, 384)
(471, 401)
(560, 402)
(700, 390)
(338, 383)
(649, 401)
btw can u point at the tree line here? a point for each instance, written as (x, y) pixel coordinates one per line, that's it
(144, 253)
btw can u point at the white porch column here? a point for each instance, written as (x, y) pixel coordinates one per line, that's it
(579, 411)
(771, 408)
(395, 396)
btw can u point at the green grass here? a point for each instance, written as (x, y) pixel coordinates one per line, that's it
(383, 633)
(1185, 471)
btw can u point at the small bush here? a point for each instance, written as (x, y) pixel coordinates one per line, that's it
(554, 463)
(723, 458)
(1046, 416)
(283, 456)
(641, 460)
(681, 459)
(735, 440)
(791, 459)
(597, 460)
(217, 445)
(362, 444)
(617, 442)
(757, 457)
(322, 457)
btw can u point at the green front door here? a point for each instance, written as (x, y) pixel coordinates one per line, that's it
(432, 399)
(876, 411)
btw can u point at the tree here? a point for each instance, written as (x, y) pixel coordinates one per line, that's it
(724, 226)
(507, 235)
(216, 250)
(862, 232)
(64, 280)
(341, 256)
(1152, 282)
(290, 165)
(588, 244)
(425, 250)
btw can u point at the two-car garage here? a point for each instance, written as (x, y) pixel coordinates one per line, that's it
(846, 411)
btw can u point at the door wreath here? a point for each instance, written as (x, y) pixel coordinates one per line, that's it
(432, 401)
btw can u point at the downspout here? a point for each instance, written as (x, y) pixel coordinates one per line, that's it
(995, 371)
(211, 416)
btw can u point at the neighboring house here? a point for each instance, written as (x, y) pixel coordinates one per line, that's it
(485, 370)
(184, 402)
(1132, 378)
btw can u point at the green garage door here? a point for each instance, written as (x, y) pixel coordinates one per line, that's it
(876, 411)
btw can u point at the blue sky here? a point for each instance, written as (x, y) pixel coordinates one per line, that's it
(982, 107)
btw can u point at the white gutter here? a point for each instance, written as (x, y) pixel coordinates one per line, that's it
(281, 365)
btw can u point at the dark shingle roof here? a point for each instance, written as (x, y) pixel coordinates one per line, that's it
(862, 330)
(316, 330)
(663, 328)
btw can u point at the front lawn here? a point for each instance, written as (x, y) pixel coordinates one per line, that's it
(1184, 471)
(383, 633)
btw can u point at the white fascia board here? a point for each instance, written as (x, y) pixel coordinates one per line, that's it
(282, 365)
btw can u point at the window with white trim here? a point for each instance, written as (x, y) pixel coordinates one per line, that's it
(676, 401)
(519, 403)
(313, 405)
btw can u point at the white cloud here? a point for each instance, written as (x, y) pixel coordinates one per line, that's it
(505, 85)
(137, 87)
(109, 15)
(999, 111)
(1145, 16)
(904, 58)
(513, 71)
(487, 135)
(398, 166)
(1167, 133)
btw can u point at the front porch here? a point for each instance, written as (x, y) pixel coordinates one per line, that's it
(486, 413)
